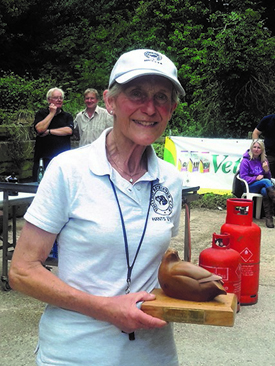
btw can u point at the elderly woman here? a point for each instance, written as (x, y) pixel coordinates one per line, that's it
(114, 208)
(255, 170)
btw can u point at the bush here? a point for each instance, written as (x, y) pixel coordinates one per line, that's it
(159, 149)
(21, 93)
(211, 201)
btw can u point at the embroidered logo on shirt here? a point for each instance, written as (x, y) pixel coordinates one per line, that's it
(162, 201)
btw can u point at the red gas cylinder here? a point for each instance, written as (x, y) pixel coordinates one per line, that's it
(245, 237)
(225, 262)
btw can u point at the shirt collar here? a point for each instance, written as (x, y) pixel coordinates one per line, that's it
(95, 112)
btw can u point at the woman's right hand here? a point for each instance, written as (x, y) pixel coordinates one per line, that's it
(122, 311)
(259, 177)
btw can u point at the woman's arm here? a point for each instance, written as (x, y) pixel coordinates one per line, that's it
(28, 275)
(245, 172)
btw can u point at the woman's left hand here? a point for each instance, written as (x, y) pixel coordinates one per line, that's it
(265, 166)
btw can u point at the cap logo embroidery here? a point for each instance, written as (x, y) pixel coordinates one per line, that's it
(153, 57)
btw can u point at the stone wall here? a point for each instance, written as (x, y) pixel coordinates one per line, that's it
(21, 167)
(17, 157)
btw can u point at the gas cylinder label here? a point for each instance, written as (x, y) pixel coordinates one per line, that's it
(249, 270)
(234, 287)
(246, 254)
(239, 271)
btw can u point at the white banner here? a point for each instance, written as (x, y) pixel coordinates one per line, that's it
(208, 163)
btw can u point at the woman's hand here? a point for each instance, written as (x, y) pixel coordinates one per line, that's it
(259, 177)
(28, 275)
(265, 166)
(122, 311)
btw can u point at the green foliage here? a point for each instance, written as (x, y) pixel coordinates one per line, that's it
(21, 97)
(159, 148)
(211, 201)
(223, 51)
(182, 123)
(236, 90)
(19, 94)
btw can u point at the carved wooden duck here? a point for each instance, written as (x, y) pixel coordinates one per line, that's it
(186, 281)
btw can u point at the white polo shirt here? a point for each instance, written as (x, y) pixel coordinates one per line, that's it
(76, 200)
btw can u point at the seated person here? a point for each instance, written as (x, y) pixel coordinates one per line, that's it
(254, 169)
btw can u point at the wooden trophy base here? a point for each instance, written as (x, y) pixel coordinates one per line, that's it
(220, 311)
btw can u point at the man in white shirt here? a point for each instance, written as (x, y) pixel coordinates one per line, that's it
(90, 122)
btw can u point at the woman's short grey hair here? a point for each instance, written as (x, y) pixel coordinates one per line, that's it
(52, 90)
(116, 89)
(262, 146)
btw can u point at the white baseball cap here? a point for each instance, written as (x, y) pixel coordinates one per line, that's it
(142, 62)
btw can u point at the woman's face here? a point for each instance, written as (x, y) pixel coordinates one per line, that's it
(256, 150)
(143, 109)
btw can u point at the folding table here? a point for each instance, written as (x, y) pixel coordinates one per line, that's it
(26, 193)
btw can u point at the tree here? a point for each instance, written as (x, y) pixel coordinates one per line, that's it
(224, 51)
(236, 83)
(225, 61)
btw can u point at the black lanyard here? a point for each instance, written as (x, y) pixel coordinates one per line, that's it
(130, 267)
